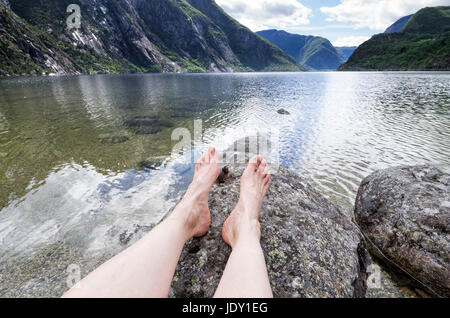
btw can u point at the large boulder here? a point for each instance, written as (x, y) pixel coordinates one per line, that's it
(311, 248)
(405, 215)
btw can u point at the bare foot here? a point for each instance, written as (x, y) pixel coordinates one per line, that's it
(193, 210)
(244, 220)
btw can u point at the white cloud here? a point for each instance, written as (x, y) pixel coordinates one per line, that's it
(376, 14)
(263, 14)
(350, 40)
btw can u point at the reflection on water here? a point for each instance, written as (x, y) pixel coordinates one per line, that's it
(72, 173)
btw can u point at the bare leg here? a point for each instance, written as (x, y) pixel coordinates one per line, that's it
(146, 269)
(245, 274)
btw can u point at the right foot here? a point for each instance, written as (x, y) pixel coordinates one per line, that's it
(244, 220)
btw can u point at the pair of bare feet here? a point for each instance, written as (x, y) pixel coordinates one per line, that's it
(244, 220)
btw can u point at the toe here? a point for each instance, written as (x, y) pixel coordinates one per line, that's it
(262, 167)
(207, 156)
(254, 163)
(266, 171)
(214, 155)
(267, 185)
(200, 162)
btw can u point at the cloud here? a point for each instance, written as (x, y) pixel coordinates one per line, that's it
(376, 14)
(264, 14)
(350, 40)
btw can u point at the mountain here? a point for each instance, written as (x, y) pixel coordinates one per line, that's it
(135, 36)
(422, 44)
(313, 52)
(398, 25)
(24, 49)
(345, 52)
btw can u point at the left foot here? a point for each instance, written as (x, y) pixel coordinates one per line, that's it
(193, 208)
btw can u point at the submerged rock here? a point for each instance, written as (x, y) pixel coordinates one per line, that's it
(282, 111)
(311, 248)
(152, 163)
(113, 139)
(141, 121)
(147, 125)
(405, 213)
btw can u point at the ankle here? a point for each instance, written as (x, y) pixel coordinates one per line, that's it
(247, 232)
(183, 217)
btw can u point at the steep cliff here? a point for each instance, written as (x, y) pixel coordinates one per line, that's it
(153, 36)
(24, 49)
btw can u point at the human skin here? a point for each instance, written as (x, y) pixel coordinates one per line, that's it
(146, 269)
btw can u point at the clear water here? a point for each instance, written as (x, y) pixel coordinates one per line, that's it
(71, 187)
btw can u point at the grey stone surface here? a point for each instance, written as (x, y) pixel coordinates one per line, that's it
(311, 248)
(405, 214)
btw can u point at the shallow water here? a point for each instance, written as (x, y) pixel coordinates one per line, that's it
(73, 187)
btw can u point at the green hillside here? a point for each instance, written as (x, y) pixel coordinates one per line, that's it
(423, 44)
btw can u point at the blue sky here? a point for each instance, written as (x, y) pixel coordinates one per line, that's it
(343, 22)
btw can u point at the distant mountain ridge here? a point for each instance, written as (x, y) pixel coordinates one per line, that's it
(422, 44)
(133, 36)
(313, 52)
(345, 52)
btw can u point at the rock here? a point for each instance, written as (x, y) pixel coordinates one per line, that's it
(113, 139)
(5, 2)
(282, 111)
(152, 163)
(224, 175)
(405, 214)
(147, 125)
(311, 248)
(141, 121)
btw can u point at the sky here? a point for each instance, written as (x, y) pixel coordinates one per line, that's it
(343, 22)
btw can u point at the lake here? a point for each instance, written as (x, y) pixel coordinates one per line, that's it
(87, 167)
